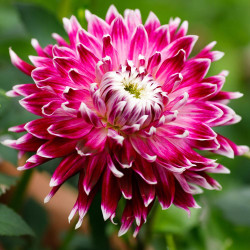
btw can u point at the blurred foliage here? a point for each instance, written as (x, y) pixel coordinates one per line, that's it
(12, 224)
(223, 222)
(6, 182)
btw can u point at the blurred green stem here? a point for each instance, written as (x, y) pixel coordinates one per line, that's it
(17, 197)
(98, 225)
(170, 242)
(68, 237)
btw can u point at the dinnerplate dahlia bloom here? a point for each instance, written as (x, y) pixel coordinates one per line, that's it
(125, 107)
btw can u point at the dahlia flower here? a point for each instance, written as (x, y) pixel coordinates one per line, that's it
(125, 107)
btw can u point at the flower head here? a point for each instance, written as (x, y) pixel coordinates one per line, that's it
(125, 106)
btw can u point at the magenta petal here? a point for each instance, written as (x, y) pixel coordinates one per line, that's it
(32, 162)
(152, 23)
(125, 185)
(212, 55)
(39, 127)
(26, 89)
(145, 170)
(195, 70)
(154, 63)
(147, 191)
(112, 13)
(184, 200)
(79, 79)
(127, 218)
(72, 128)
(39, 50)
(83, 202)
(90, 42)
(60, 40)
(171, 66)
(186, 43)
(62, 52)
(20, 64)
(109, 50)
(94, 168)
(119, 34)
(57, 147)
(96, 26)
(25, 143)
(17, 129)
(68, 167)
(228, 148)
(139, 44)
(132, 19)
(92, 143)
(87, 57)
(110, 195)
(71, 26)
(165, 187)
(159, 39)
(142, 149)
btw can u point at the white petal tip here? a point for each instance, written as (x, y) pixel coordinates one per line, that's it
(79, 223)
(21, 168)
(53, 182)
(47, 199)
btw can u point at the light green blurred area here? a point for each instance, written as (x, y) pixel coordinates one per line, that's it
(223, 222)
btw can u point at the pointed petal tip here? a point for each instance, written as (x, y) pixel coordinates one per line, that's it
(86, 189)
(53, 182)
(122, 231)
(71, 215)
(8, 142)
(79, 223)
(104, 213)
(21, 168)
(47, 198)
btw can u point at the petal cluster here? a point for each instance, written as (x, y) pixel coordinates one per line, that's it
(125, 107)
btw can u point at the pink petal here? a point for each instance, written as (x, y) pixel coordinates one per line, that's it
(145, 170)
(165, 187)
(154, 63)
(132, 19)
(171, 66)
(112, 13)
(109, 50)
(139, 44)
(110, 195)
(195, 70)
(20, 64)
(68, 167)
(90, 42)
(94, 168)
(152, 23)
(57, 147)
(147, 191)
(186, 43)
(119, 34)
(92, 143)
(25, 143)
(74, 128)
(96, 26)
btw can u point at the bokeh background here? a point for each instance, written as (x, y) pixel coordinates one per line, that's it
(224, 220)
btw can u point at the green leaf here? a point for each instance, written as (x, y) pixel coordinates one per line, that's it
(235, 205)
(39, 22)
(175, 220)
(6, 182)
(11, 224)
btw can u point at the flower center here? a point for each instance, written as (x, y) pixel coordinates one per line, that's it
(132, 89)
(129, 95)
